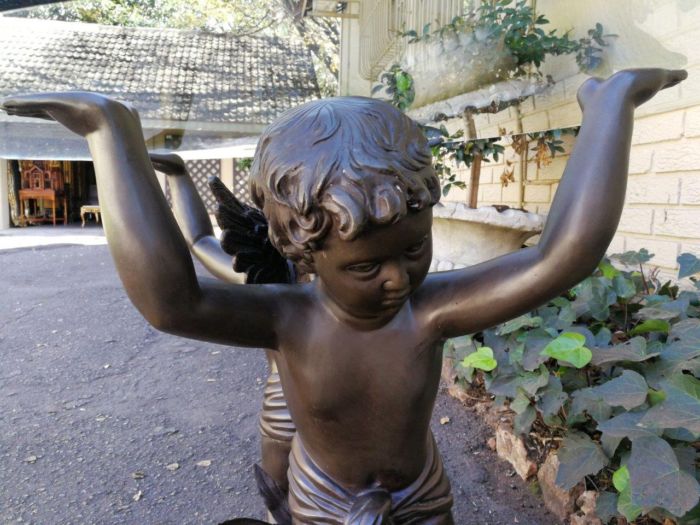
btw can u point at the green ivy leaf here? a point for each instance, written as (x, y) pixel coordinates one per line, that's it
(608, 270)
(552, 397)
(531, 382)
(656, 396)
(681, 434)
(579, 456)
(520, 403)
(634, 350)
(568, 347)
(586, 400)
(621, 481)
(633, 258)
(624, 287)
(687, 383)
(610, 444)
(657, 480)
(680, 409)
(482, 359)
(403, 82)
(522, 422)
(628, 390)
(594, 297)
(652, 325)
(524, 321)
(535, 341)
(626, 425)
(689, 265)
(606, 506)
(682, 354)
(662, 313)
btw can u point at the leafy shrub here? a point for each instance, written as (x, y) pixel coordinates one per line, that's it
(610, 369)
(518, 27)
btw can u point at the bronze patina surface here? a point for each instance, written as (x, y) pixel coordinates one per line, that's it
(346, 185)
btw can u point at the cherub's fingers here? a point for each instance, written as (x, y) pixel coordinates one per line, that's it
(30, 114)
(37, 106)
(675, 76)
(168, 163)
(37, 101)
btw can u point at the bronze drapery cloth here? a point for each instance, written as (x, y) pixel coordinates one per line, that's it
(315, 498)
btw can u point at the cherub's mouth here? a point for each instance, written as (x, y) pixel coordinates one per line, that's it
(395, 299)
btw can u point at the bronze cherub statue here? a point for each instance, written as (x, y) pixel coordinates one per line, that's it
(347, 186)
(255, 261)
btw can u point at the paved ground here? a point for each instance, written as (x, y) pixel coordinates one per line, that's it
(105, 420)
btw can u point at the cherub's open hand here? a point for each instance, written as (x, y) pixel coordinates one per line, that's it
(79, 111)
(635, 85)
(168, 163)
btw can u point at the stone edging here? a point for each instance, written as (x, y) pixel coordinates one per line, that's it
(574, 507)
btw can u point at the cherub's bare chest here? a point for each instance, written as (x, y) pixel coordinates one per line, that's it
(338, 373)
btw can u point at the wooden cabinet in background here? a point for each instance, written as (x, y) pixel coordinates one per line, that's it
(42, 191)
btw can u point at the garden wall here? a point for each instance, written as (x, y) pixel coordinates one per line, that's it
(662, 210)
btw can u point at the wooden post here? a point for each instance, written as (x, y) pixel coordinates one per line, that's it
(523, 159)
(475, 174)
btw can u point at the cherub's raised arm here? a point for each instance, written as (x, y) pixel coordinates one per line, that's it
(193, 219)
(148, 249)
(582, 221)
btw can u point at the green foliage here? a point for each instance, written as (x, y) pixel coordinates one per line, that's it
(613, 366)
(482, 359)
(244, 164)
(518, 28)
(398, 84)
(451, 149)
(243, 17)
(569, 348)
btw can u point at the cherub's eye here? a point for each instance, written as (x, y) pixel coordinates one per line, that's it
(416, 248)
(363, 268)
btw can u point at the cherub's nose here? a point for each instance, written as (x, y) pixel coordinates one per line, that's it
(395, 276)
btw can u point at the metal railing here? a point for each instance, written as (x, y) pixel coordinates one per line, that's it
(381, 21)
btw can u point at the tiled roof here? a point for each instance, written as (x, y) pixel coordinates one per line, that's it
(166, 74)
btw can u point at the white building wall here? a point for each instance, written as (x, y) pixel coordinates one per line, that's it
(4, 195)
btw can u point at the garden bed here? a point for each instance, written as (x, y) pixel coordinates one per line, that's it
(597, 394)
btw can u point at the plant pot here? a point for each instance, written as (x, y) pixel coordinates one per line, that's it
(455, 64)
(463, 236)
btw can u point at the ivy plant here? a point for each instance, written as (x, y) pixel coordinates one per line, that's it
(451, 149)
(611, 370)
(398, 85)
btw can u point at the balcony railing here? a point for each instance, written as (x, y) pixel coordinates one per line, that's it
(381, 21)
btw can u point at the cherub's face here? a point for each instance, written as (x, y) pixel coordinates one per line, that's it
(368, 279)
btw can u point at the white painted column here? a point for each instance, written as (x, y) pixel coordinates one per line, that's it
(227, 172)
(4, 195)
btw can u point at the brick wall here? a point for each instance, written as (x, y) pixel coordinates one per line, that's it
(662, 206)
(662, 209)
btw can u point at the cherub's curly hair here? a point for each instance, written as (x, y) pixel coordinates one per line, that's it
(342, 162)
